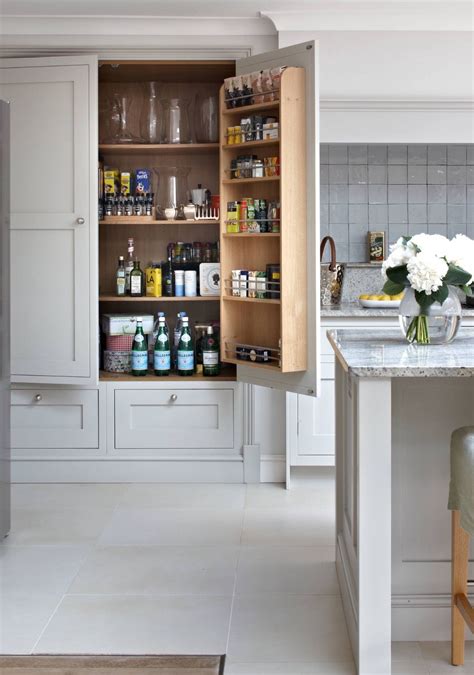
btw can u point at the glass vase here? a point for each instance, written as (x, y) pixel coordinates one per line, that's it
(176, 127)
(150, 118)
(437, 325)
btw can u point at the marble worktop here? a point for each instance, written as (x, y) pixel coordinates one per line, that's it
(354, 309)
(385, 353)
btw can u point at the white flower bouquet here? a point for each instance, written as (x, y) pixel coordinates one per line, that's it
(429, 264)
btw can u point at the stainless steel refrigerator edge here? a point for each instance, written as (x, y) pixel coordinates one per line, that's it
(4, 319)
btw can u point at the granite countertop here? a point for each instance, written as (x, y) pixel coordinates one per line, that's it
(387, 354)
(354, 309)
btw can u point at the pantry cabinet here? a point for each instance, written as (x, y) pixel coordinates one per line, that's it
(53, 218)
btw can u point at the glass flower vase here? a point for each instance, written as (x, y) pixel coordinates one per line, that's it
(436, 325)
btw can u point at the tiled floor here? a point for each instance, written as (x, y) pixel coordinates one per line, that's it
(142, 569)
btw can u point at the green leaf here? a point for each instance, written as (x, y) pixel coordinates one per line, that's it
(398, 274)
(456, 276)
(467, 290)
(425, 301)
(441, 294)
(392, 288)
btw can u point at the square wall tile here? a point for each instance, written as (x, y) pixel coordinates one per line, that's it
(417, 194)
(417, 229)
(397, 230)
(470, 175)
(397, 213)
(323, 153)
(338, 173)
(378, 214)
(453, 230)
(377, 194)
(377, 174)
(339, 232)
(357, 154)
(323, 230)
(324, 214)
(437, 213)
(456, 194)
(470, 154)
(357, 174)
(437, 175)
(358, 214)
(470, 194)
(417, 154)
(438, 229)
(397, 194)
(377, 154)
(324, 174)
(456, 214)
(397, 175)
(437, 194)
(324, 194)
(416, 174)
(357, 252)
(358, 194)
(338, 194)
(457, 154)
(358, 233)
(338, 213)
(456, 175)
(337, 153)
(397, 154)
(437, 154)
(417, 214)
(470, 214)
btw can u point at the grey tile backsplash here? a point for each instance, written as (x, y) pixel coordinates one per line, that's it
(401, 189)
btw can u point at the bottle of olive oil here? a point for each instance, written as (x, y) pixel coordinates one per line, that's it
(185, 350)
(162, 353)
(129, 264)
(137, 280)
(139, 354)
(120, 277)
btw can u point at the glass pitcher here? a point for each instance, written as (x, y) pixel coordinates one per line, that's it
(150, 118)
(171, 189)
(207, 119)
(176, 127)
(124, 134)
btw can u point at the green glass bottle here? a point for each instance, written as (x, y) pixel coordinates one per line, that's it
(120, 277)
(162, 353)
(185, 350)
(139, 355)
(137, 282)
(210, 354)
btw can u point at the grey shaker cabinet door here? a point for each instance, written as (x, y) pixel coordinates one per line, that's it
(168, 418)
(53, 218)
(55, 418)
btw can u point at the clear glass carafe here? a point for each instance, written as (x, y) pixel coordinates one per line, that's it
(125, 134)
(171, 190)
(438, 326)
(150, 118)
(207, 119)
(176, 126)
(109, 116)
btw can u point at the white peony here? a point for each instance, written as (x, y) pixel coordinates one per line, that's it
(400, 254)
(426, 272)
(436, 244)
(461, 253)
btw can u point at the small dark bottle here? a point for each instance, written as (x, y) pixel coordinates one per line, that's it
(167, 281)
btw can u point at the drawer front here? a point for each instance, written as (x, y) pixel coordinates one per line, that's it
(55, 418)
(167, 418)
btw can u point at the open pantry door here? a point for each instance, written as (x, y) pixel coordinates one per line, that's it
(298, 368)
(53, 148)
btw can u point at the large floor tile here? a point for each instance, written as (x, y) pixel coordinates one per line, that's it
(29, 570)
(287, 569)
(406, 651)
(57, 526)
(288, 628)
(288, 527)
(173, 527)
(416, 667)
(77, 496)
(160, 570)
(275, 496)
(322, 668)
(184, 496)
(22, 620)
(138, 625)
(440, 652)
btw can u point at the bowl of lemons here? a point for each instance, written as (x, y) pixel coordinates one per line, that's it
(381, 301)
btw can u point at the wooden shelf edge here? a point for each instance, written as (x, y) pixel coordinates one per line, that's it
(265, 301)
(143, 220)
(162, 298)
(243, 110)
(241, 181)
(123, 148)
(251, 144)
(263, 235)
(253, 364)
(227, 374)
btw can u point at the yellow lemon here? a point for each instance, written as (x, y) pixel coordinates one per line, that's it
(373, 297)
(364, 297)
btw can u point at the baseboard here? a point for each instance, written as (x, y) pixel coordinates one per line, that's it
(128, 471)
(272, 468)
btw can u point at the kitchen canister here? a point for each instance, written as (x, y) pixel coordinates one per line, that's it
(179, 282)
(332, 275)
(190, 283)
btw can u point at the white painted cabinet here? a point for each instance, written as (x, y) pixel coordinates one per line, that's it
(53, 218)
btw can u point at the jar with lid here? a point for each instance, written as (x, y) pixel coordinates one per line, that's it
(257, 168)
(207, 252)
(178, 251)
(197, 251)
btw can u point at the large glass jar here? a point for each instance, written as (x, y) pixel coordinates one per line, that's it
(176, 126)
(150, 118)
(171, 188)
(438, 325)
(207, 119)
(125, 134)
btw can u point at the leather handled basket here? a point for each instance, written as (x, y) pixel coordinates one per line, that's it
(332, 276)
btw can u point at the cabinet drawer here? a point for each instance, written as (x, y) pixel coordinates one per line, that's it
(174, 418)
(55, 418)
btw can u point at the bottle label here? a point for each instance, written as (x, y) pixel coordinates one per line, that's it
(162, 338)
(186, 338)
(185, 359)
(135, 284)
(120, 285)
(139, 360)
(210, 358)
(162, 361)
(139, 338)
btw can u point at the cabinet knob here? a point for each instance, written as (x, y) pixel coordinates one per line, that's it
(80, 221)
(38, 398)
(173, 397)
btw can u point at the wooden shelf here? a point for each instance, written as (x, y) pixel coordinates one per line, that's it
(251, 144)
(265, 301)
(254, 364)
(156, 149)
(246, 235)
(144, 220)
(227, 374)
(243, 110)
(240, 181)
(163, 298)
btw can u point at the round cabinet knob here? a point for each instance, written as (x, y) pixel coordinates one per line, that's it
(80, 221)
(173, 397)
(38, 398)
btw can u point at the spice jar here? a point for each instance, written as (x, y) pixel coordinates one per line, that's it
(257, 168)
(197, 251)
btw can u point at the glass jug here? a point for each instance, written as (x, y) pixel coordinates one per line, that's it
(150, 118)
(109, 116)
(124, 134)
(176, 128)
(171, 190)
(207, 119)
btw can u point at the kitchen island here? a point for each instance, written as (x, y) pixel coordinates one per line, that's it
(396, 406)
